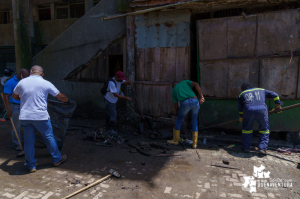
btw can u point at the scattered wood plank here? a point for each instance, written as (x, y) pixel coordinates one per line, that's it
(225, 166)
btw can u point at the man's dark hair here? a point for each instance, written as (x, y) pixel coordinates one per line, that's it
(245, 86)
(173, 83)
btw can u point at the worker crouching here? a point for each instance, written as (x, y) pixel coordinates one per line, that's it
(251, 106)
(183, 93)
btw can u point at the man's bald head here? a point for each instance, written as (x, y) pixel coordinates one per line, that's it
(37, 70)
(23, 73)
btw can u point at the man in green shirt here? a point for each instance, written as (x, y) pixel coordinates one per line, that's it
(183, 93)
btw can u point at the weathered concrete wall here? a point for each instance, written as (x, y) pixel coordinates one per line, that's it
(7, 35)
(47, 31)
(76, 46)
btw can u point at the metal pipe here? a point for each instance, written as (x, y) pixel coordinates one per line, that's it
(148, 10)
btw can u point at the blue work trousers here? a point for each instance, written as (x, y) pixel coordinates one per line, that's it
(15, 109)
(186, 106)
(260, 114)
(45, 129)
(112, 110)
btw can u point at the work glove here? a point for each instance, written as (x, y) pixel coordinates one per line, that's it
(241, 119)
(277, 106)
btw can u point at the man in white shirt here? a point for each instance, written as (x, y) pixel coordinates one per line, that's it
(112, 96)
(33, 92)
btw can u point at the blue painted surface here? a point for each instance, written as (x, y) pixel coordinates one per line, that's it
(163, 29)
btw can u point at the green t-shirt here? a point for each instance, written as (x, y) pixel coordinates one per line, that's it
(182, 91)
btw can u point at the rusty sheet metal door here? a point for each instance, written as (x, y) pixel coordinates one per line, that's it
(163, 29)
(241, 71)
(155, 100)
(235, 50)
(214, 78)
(280, 76)
(241, 36)
(212, 36)
(278, 32)
(156, 69)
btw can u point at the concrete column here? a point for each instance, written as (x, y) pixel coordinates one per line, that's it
(130, 58)
(21, 21)
(52, 10)
(89, 4)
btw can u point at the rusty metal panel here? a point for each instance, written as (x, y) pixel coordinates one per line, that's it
(242, 71)
(162, 64)
(155, 99)
(212, 35)
(214, 78)
(163, 29)
(280, 75)
(241, 36)
(278, 32)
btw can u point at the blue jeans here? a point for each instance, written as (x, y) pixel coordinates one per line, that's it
(185, 107)
(112, 110)
(45, 129)
(15, 109)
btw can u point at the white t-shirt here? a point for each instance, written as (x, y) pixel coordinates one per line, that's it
(112, 88)
(34, 91)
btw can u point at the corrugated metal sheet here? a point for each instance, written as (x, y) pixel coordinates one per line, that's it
(163, 29)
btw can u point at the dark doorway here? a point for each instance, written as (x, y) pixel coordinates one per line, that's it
(115, 64)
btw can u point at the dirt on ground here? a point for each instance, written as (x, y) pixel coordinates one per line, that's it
(149, 167)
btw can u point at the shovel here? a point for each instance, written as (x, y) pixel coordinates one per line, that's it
(13, 125)
(143, 118)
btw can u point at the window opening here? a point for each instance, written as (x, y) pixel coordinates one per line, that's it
(62, 12)
(3, 17)
(44, 13)
(115, 63)
(77, 10)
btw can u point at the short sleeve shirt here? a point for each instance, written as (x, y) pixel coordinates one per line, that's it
(113, 88)
(9, 89)
(33, 92)
(182, 91)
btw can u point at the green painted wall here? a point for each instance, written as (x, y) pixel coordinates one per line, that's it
(219, 111)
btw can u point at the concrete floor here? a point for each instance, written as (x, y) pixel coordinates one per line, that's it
(184, 176)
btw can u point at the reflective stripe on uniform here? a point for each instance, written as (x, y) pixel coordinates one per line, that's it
(254, 89)
(264, 132)
(247, 132)
(276, 98)
(241, 113)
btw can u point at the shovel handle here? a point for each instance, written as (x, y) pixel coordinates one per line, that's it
(13, 125)
(85, 188)
(137, 101)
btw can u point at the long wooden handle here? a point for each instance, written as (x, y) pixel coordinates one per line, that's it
(13, 125)
(93, 184)
(137, 101)
(270, 112)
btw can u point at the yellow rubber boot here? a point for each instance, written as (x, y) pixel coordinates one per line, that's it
(176, 134)
(195, 139)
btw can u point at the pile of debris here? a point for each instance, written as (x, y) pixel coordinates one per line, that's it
(107, 138)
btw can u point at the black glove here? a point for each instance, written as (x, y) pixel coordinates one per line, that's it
(70, 101)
